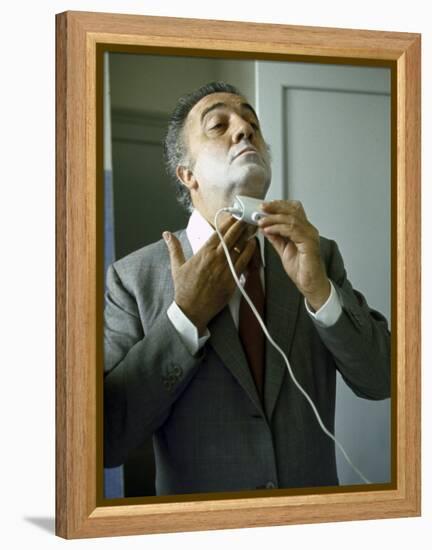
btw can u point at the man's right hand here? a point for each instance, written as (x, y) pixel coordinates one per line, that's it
(203, 285)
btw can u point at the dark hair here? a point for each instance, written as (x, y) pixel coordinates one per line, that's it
(175, 150)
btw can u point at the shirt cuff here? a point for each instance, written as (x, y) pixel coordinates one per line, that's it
(329, 312)
(186, 329)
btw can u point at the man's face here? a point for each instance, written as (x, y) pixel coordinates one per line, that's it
(228, 154)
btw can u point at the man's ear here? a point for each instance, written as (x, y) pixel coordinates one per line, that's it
(186, 176)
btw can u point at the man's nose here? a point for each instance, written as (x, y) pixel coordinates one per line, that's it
(243, 130)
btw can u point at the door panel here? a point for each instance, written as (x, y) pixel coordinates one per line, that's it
(328, 127)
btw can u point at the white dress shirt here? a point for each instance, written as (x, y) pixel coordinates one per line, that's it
(198, 232)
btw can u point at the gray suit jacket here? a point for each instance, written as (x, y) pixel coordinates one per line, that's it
(210, 430)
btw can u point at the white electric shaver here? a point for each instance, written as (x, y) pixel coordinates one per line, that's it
(247, 209)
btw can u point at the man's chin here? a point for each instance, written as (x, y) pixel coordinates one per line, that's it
(254, 182)
(255, 189)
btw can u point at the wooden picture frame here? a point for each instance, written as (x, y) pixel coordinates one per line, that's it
(81, 40)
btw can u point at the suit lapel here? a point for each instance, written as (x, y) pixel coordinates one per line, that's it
(226, 342)
(282, 306)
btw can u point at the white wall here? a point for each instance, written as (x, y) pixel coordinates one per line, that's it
(240, 73)
(27, 274)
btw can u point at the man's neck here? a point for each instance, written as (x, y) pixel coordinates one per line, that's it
(209, 215)
(199, 230)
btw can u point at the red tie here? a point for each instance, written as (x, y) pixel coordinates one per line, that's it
(250, 331)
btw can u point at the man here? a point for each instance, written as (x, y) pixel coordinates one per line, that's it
(178, 364)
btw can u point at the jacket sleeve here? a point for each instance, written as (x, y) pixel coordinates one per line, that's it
(359, 341)
(144, 373)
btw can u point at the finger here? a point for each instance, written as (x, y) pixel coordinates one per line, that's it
(226, 223)
(175, 250)
(243, 240)
(287, 219)
(287, 231)
(214, 240)
(233, 234)
(297, 231)
(239, 246)
(284, 206)
(245, 257)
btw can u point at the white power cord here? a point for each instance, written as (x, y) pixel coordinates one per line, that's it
(273, 343)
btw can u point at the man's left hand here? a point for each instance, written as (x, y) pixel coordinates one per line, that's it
(296, 241)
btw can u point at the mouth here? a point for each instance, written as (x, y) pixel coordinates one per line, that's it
(246, 151)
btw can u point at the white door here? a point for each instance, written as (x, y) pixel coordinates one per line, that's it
(328, 127)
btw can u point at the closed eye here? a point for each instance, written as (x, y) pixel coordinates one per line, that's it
(219, 127)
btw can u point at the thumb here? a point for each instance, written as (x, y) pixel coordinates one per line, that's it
(175, 250)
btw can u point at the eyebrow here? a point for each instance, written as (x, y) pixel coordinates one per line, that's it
(222, 104)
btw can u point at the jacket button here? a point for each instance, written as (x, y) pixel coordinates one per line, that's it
(177, 370)
(270, 485)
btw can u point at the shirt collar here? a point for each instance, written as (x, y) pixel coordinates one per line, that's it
(198, 231)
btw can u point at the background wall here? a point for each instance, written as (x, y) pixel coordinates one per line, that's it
(27, 275)
(328, 127)
(144, 91)
(132, 88)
